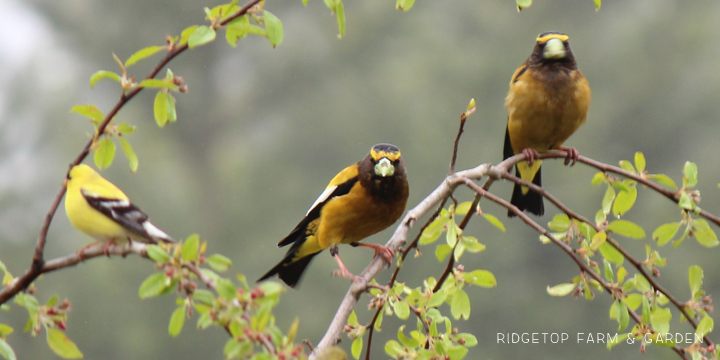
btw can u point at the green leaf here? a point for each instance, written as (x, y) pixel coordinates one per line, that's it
(442, 251)
(691, 174)
(393, 348)
(611, 254)
(5, 330)
(451, 236)
(634, 300)
(608, 199)
(89, 111)
(402, 310)
(99, 75)
(203, 296)
(274, 28)
(665, 232)
(142, 54)
(190, 248)
(241, 27)
(129, 153)
(404, 5)
(695, 279)
(352, 319)
(432, 232)
(218, 262)
(627, 166)
(6, 351)
(457, 352)
(408, 342)
(201, 36)
(626, 228)
(494, 221)
(609, 275)
(625, 200)
(157, 84)
(340, 16)
(639, 157)
(470, 339)
(705, 327)
(125, 128)
(704, 234)
(597, 240)
(663, 179)
(472, 245)
(177, 320)
(685, 202)
(185, 35)
(460, 305)
(379, 320)
(560, 222)
(660, 319)
(481, 278)
(157, 254)
(104, 153)
(357, 346)
(598, 3)
(61, 345)
(171, 110)
(226, 289)
(463, 208)
(521, 4)
(598, 179)
(561, 289)
(154, 285)
(437, 299)
(160, 109)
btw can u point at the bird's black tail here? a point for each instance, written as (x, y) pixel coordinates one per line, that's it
(288, 271)
(532, 201)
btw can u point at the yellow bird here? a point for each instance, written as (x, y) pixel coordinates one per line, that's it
(98, 208)
(363, 199)
(548, 100)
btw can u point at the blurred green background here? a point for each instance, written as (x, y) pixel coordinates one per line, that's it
(263, 130)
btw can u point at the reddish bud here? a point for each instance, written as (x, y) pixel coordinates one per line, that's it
(50, 311)
(707, 299)
(178, 80)
(64, 305)
(61, 324)
(461, 341)
(460, 267)
(296, 352)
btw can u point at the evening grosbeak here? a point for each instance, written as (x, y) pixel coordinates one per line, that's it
(548, 100)
(363, 199)
(98, 208)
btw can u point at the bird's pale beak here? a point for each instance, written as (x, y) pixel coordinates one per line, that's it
(554, 49)
(384, 168)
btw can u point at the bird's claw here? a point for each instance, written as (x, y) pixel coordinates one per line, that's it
(343, 272)
(530, 155)
(386, 253)
(572, 155)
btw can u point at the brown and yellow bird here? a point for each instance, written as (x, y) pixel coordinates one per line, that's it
(548, 100)
(363, 199)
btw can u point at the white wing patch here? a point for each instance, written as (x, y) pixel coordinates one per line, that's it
(154, 231)
(324, 196)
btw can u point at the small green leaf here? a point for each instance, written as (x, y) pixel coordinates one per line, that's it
(393, 348)
(241, 27)
(451, 236)
(625, 200)
(560, 222)
(201, 36)
(274, 28)
(494, 221)
(626, 228)
(685, 202)
(185, 35)
(226, 289)
(639, 157)
(352, 319)
(705, 326)
(522, 4)
(190, 248)
(598, 3)
(379, 321)
(218, 262)
(437, 299)
(89, 111)
(6, 351)
(691, 174)
(171, 110)
(598, 179)
(154, 285)
(561, 289)
(597, 240)
(157, 254)
(470, 339)
(612, 254)
(608, 199)
(695, 279)
(704, 234)
(408, 342)
(665, 232)
(609, 275)
(177, 320)
(104, 153)
(99, 75)
(402, 310)
(660, 319)
(404, 5)
(157, 84)
(463, 208)
(61, 345)
(460, 305)
(457, 352)
(482, 278)
(442, 251)
(357, 346)
(142, 54)
(627, 166)
(124, 128)
(129, 153)
(340, 16)
(664, 180)
(160, 109)
(472, 245)
(634, 300)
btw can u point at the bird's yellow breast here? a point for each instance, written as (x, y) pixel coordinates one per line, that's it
(543, 112)
(90, 221)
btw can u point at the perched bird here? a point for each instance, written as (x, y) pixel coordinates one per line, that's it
(548, 100)
(98, 208)
(363, 199)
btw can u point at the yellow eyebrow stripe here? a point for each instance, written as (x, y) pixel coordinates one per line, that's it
(392, 156)
(547, 37)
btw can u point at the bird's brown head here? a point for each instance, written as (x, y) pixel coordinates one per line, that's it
(383, 170)
(553, 47)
